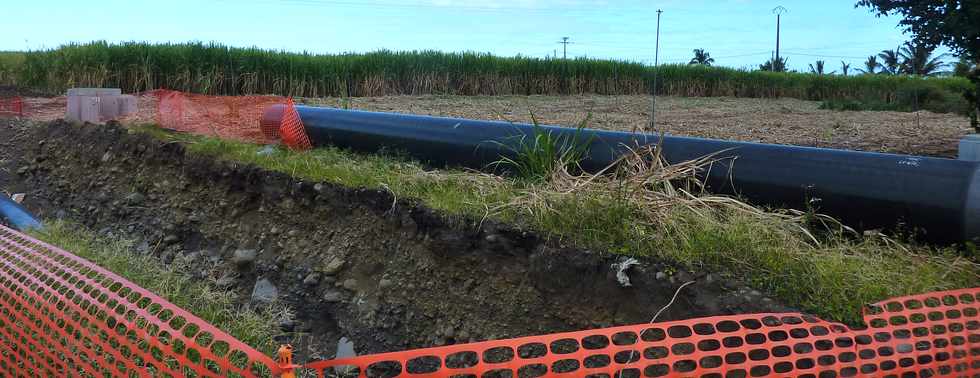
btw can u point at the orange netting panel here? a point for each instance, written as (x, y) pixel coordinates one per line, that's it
(927, 335)
(292, 131)
(13, 106)
(61, 315)
(231, 117)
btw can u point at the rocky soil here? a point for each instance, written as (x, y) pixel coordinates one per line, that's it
(389, 274)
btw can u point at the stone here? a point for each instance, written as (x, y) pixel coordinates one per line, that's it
(333, 296)
(334, 266)
(385, 284)
(264, 292)
(170, 239)
(287, 325)
(311, 279)
(350, 284)
(345, 349)
(243, 257)
(226, 280)
(134, 198)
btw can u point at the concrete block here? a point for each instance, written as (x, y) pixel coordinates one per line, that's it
(74, 111)
(109, 103)
(94, 92)
(128, 104)
(969, 148)
(108, 107)
(90, 109)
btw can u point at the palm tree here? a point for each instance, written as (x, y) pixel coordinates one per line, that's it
(817, 68)
(889, 62)
(774, 65)
(963, 67)
(702, 57)
(918, 60)
(870, 65)
(844, 67)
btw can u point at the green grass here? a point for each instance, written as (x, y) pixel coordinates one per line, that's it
(833, 278)
(539, 155)
(255, 327)
(217, 69)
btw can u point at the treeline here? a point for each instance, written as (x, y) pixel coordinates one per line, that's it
(221, 70)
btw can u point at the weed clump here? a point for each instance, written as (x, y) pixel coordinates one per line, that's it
(540, 154)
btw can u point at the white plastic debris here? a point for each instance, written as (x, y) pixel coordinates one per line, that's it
(621, 268)
(18, 197)
(267, 150)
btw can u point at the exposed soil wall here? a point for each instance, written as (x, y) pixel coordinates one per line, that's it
(389, 274)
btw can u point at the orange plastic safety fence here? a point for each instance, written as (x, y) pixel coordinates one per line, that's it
(170, 109)
(919, 336)
(61, 315)
(229, 117)
(292, 131)
(13, 106)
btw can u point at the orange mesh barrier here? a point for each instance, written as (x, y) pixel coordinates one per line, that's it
(61, 315)
(927, 335)
(12, 107)
(292, 131)
(231, 117)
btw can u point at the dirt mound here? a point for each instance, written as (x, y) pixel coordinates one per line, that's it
(389, 274)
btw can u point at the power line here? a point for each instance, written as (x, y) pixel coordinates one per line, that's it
(564, 42)
(827, 56)
(656, 65)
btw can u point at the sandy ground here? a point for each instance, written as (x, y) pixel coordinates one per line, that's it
(784, 121)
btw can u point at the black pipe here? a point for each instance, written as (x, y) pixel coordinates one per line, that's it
(16, 215)
(938, 198)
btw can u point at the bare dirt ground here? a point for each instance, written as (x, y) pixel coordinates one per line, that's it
(782, 121)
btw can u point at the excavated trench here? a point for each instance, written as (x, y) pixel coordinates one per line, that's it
(388, 274)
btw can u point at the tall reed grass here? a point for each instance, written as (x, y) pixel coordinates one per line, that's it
(212, 68)
(10, 61)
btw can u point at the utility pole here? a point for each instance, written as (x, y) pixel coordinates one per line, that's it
(564, 42)
(656, 68)
(779, 10)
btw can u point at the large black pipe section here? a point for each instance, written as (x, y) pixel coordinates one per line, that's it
(16, 215)
(865, 190)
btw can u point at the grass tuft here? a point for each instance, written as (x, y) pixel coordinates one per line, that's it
(541, 154)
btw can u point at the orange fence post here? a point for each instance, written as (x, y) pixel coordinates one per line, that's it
(284, 357)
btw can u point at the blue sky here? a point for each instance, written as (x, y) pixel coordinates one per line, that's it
(738, 33)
